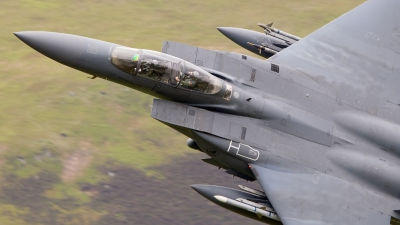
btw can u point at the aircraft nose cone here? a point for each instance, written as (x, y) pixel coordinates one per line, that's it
(63, 48)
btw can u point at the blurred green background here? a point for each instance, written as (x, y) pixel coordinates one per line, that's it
(80, 151)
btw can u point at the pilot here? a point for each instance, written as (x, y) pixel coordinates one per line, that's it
(159, 68)
(190, 80)
(152, 69)
(146, 68)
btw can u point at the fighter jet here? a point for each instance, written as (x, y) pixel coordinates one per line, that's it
(317, 125)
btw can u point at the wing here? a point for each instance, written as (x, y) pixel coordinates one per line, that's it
(302, 197)
(356, 56)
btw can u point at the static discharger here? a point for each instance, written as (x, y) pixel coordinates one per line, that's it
(258, 211)
(269, 30)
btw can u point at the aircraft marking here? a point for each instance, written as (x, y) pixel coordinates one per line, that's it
(252, 153)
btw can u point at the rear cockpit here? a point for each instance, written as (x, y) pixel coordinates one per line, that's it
(165, 69)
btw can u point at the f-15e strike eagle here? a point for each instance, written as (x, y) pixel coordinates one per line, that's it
(317, 124)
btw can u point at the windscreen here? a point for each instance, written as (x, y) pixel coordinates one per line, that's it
(166, 69)
(197, 79)
(126, 59)
(160, 67)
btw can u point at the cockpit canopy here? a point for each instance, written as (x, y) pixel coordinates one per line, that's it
(165, 69)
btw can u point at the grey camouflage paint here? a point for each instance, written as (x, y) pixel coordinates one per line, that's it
(317, 124)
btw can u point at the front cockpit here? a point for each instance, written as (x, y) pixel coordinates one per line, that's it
(165, 69)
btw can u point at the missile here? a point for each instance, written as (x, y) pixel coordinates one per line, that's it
(269, 30)
(263, 48)
(259, 211)
(252, 190)
(267, 45)
(246, 198)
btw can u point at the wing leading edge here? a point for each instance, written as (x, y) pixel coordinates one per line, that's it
(356, 56)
